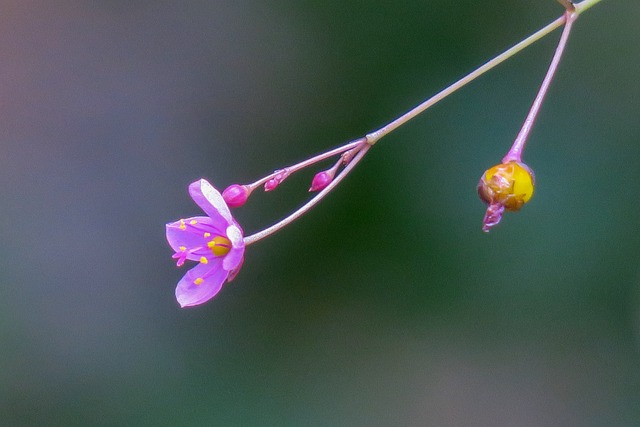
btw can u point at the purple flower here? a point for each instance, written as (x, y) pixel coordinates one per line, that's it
(215, 241)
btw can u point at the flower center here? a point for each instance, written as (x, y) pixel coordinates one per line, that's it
(219, 245)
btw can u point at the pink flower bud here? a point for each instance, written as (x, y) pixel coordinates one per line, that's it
(271, 184)
(236, 195)
(280, 176)
(321, 180)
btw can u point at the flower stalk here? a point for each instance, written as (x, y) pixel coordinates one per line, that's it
(289, 170)
(356, 147)
(311, 203)
(509, 185)
(375, 136)
(515, 153)
(216, 241)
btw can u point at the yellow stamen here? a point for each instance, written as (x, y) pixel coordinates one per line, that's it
(182, 226)
(182, 248)
(198, 281)
(204, 260)
(207, 234)
(219, 245)
(193, 222)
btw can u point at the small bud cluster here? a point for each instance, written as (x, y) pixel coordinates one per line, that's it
(236, 195)
(277, 178)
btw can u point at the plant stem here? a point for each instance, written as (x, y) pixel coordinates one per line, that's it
(311, 203)
(362, 145)
(515, 153)
(375, 136)
(291, 169)
(568, 5)
(584, 5)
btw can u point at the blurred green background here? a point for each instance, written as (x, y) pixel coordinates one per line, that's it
(386, 305)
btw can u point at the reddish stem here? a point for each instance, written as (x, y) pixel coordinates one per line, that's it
(515, 153)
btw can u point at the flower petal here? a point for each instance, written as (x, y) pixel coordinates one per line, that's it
(182, 233)
(211, 202)
(235, 255)
(201, 283)
(233, 273)
(189, 237)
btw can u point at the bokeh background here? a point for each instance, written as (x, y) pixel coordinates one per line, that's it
(386, 305)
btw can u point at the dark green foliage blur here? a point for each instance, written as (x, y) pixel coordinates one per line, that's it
(386, 305)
